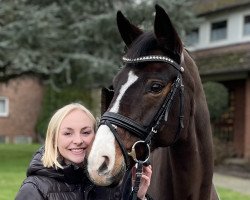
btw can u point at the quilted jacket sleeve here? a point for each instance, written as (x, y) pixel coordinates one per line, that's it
(29, 191)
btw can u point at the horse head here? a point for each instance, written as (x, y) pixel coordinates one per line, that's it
(155, 99)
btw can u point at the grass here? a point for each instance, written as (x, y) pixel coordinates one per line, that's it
(226, 194)
(15, 160)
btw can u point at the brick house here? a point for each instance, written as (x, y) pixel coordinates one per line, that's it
(221, 48)
(20, 104)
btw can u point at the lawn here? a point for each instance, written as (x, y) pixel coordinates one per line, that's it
(226, 194)
(15, 160)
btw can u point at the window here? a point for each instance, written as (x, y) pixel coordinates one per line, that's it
(4, 107)
(193, 37)
(246, 26)
(218, 31)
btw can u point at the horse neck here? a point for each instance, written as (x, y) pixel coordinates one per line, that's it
(186, 168)
(191, 158)
(191, 162)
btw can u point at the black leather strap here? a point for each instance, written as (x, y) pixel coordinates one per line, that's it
(137, 180)
(123, 149)
(126, 123)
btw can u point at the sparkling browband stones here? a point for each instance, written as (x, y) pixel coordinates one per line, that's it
(155, 59)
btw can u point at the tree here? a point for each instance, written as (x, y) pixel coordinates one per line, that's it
(72, 41)
(73, 45)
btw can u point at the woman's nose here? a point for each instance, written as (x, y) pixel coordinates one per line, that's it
(78, 139)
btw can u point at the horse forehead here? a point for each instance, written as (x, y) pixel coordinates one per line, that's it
(131, 79)
(129, 75)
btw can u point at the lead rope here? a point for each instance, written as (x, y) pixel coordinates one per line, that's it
(138, 176)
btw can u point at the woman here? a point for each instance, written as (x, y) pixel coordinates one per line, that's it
(57, 169)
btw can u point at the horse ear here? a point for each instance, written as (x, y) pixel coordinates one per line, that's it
(106, 98)
(128, 31)
(166, 34)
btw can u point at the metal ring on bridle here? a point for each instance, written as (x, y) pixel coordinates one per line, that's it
(134, 151)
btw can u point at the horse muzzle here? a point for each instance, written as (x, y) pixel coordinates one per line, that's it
(104, 166)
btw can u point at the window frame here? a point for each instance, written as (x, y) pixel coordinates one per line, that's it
(212, 29)
(6, 106)
(193, 34)
(244, 33)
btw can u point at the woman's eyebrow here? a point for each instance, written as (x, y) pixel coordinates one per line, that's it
(86, 127)
(71, 129)
(67, 128)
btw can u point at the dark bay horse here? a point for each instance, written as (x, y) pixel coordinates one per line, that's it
(157, 98)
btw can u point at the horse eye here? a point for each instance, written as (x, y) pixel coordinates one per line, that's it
(156, 87)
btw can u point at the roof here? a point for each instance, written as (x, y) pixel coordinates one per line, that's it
(205, 7)
(234, 61)
(231, 61)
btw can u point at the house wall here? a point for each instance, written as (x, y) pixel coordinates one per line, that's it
(234, 75)
(240, 105)
(239, 117)
(235, 25)
(247, 121)
(25, 96)
(242, 118)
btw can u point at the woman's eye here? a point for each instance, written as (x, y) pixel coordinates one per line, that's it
(66, 133)
(156, 87)
(86, 132)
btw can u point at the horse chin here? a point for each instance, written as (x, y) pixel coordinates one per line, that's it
(110, 178)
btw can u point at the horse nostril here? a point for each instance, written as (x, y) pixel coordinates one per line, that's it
(104, 167)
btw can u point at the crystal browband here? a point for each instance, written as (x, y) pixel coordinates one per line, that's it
(155, 59)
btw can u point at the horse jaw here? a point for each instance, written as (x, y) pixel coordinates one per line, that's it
(105, 167)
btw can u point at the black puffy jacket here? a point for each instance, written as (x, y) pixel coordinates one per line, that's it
(69, 183)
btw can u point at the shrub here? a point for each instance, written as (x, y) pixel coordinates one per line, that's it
(217, 99)
(54, 100)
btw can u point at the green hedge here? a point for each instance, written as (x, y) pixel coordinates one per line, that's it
(54, 100)
(217, 99)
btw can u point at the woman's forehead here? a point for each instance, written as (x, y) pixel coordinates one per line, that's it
(76, 117)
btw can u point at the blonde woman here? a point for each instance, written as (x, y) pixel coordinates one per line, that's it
(57, 169)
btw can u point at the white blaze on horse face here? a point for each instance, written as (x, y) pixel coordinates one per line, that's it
(103, 146)
(131, 79)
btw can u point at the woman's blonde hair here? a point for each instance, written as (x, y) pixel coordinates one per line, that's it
(51, 154)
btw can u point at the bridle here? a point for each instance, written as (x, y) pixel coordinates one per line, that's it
(112, 120)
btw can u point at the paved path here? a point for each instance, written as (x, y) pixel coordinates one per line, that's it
(232, 182)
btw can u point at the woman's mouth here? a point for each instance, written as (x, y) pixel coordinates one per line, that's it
(77, 150)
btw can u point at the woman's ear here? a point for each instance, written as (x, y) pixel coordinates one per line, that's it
(166, 34)
(128, 31)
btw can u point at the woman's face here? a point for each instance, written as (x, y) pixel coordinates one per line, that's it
(75, 134)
